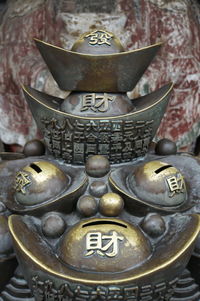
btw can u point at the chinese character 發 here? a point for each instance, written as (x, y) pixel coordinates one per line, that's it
(21, 181)
(99, 37)
(95, 241)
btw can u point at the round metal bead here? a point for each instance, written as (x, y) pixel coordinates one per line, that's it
(154, 225)
(34, 148)
(87, 205)
(97, 166)
(165, 147)
(98, 188)
(111, 204)
(53, 225)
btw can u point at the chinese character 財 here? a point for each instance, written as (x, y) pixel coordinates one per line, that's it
(99, 243)
(99, 37)
(96, 102)
(176, 184)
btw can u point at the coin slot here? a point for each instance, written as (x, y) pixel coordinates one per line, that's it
(96, 223)
(162, 168)
(36, 168)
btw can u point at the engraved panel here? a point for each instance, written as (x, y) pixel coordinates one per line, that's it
(46, 291)
(75, 140)
(99, 37)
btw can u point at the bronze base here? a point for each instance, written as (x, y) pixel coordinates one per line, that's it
(17, 290)
(186, 289)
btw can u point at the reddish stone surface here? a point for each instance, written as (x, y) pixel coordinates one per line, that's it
(137, 23)
(177, 24)
(21, 63)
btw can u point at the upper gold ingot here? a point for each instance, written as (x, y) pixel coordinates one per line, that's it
(111, 72)
(86, 124)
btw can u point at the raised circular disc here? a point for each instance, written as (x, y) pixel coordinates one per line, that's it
(104, 245)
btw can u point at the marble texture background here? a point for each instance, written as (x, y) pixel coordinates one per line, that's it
(137, 23)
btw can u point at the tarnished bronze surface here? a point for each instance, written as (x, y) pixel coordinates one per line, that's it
(98, 134)
(101, 217)
(82, 246)
(64, 201)
(115, 72)
(39, 182)
(159, 183)
(180, 244)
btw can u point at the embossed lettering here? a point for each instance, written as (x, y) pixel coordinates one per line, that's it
(99, 37)
(103, 244)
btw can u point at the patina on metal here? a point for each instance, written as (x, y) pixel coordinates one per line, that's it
(97, 63)
(100, 216)
(98, 134)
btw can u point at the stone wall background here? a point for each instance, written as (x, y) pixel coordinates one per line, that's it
(137, 23)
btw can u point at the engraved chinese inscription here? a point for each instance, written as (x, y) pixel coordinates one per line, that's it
(99, 37)
(21, 181)
(96, 102)
(103, 245)
(46, 291)
(75, 140)
(176, 184)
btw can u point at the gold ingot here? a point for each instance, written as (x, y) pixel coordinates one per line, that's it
(159, 183)
(168, 256)
(39, 182)
(150, 108)
(105, 42)
(111, 204)
(100, 68)
(104, 245)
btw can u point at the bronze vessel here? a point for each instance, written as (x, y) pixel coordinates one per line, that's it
(99, 215)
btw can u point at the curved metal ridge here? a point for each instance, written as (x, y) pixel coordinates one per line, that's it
(149, 111)
(53, 103)
(117, 72)
(175, 259)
